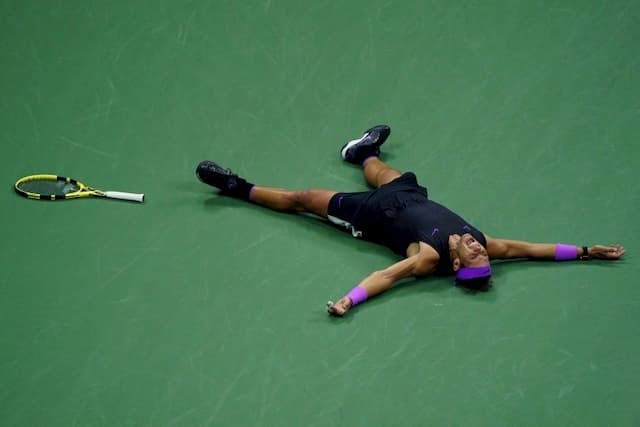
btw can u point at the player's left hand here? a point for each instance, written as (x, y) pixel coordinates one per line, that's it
(614, 251)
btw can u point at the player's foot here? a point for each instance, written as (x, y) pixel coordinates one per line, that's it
(222, 178)
(368, 145)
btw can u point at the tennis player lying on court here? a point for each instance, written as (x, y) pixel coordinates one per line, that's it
(398, 213)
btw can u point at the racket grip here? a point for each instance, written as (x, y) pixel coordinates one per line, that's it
(134, 197)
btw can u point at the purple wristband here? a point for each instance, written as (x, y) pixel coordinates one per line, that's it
(357, 295)
(566, 252)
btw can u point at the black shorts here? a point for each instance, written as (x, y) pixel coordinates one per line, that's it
(365, 213)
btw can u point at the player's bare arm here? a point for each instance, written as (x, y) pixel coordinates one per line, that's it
(422, 263)
(510, 249)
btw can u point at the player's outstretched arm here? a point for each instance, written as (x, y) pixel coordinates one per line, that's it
(508, 249)
(379, 281)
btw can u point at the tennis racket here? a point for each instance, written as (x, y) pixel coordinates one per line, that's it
(54, 187)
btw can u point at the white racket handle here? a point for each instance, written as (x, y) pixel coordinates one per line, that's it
(134, 197)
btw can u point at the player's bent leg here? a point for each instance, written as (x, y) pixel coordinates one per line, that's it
(310, 201)
(377, 173)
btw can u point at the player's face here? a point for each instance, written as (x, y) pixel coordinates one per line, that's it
(470, 251)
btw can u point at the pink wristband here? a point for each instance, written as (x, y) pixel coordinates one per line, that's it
(357, 295)
(566, 252)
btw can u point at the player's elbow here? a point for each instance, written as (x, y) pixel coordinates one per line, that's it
(421, 268)
(385, 278)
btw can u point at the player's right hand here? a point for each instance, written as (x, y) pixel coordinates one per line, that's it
(339, 308)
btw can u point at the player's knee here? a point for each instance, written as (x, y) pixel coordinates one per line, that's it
(302, 199)
(291, 201)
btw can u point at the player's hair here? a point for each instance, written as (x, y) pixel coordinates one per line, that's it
(480, 284)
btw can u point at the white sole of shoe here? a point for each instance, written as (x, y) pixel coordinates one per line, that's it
(350, 144)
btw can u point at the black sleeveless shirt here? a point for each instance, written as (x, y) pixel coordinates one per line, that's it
(400, 213)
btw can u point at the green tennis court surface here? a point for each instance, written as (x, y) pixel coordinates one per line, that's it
(197, 310)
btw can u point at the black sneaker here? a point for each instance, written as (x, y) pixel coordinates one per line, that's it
(358, 150)
(217, 176)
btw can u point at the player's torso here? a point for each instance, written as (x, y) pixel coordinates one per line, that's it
(428, 222)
